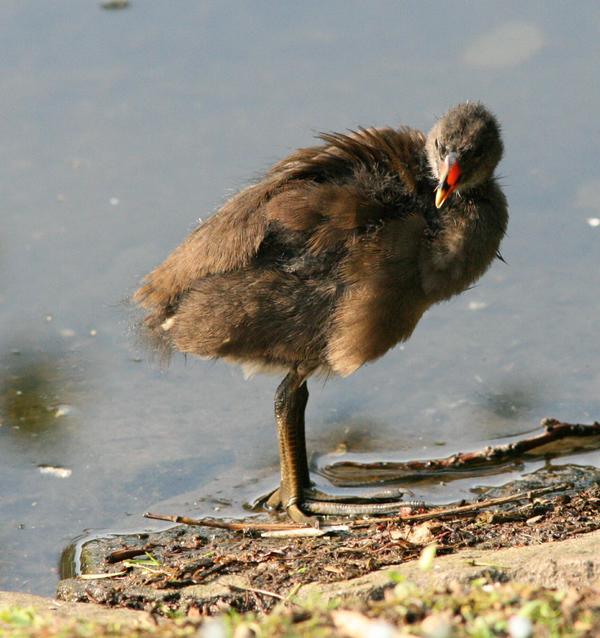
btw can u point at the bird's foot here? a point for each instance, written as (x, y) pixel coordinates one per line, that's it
(314, 502)
(292, 509)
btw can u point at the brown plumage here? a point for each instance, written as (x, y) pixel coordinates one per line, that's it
(332, 258)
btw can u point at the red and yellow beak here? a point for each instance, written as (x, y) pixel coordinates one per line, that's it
(448, 180)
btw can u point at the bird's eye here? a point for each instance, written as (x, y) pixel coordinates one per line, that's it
(441, 148)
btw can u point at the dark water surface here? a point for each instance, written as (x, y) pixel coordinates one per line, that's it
(120, 129)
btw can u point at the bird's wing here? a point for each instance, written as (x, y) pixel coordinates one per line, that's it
(311, 191)
(226, 241)
(397, 150)
(351, 183)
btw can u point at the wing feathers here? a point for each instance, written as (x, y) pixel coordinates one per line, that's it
(303, 192)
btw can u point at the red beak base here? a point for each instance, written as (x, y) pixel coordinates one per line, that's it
(448, 180)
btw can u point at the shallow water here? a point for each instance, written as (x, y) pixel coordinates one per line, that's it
(121, 128)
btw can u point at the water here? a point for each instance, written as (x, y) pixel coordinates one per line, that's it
(120, 129)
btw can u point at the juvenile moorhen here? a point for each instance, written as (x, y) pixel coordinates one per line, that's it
(330, 260)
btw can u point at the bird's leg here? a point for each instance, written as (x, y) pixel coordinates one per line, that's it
(290, 402)
(295, 493)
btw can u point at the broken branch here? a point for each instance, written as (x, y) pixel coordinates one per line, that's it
(471, 508)
(351, 474)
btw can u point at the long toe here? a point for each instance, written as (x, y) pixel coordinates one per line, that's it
(336, 508)
(393, 495)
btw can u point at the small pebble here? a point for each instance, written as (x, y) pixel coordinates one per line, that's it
(520, 627)
(114, 201)
(213, 628)
(534, 519)
(244, 631)
(427, 557)
(93, 333)
(49, 318)
(436, 626)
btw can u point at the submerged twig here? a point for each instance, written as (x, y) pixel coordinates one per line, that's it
(460, 462)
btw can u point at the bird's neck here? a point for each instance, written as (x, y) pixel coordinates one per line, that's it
(468, 234)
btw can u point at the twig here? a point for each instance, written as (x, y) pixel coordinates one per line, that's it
(264, 592)
(554, 430)
(220, 524)
(128, 552)
(102, 576)
(467, 509)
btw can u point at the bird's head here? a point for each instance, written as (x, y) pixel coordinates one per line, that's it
(463, 149)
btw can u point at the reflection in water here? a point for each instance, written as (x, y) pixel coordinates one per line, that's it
(514, 399)
(504, 46)
(35, 393)
(67, 565)
(353, 434)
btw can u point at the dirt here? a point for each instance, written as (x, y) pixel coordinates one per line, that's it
(194, 570)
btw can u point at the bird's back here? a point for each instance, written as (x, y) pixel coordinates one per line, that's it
(297, 225)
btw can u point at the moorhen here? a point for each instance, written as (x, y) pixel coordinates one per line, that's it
(330, 260)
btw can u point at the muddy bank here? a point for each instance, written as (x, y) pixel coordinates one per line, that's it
(189, 569)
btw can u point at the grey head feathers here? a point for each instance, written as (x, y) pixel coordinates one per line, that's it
(471, 133)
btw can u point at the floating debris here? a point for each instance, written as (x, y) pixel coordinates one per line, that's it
(594, 222)
(55, 470)
(477, 305)
(67, 333)
(114, 201)
(115, 4)
(63, 410)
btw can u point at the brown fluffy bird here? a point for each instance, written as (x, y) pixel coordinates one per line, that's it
(330, 260)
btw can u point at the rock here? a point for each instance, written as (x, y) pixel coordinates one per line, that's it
(50, 608)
